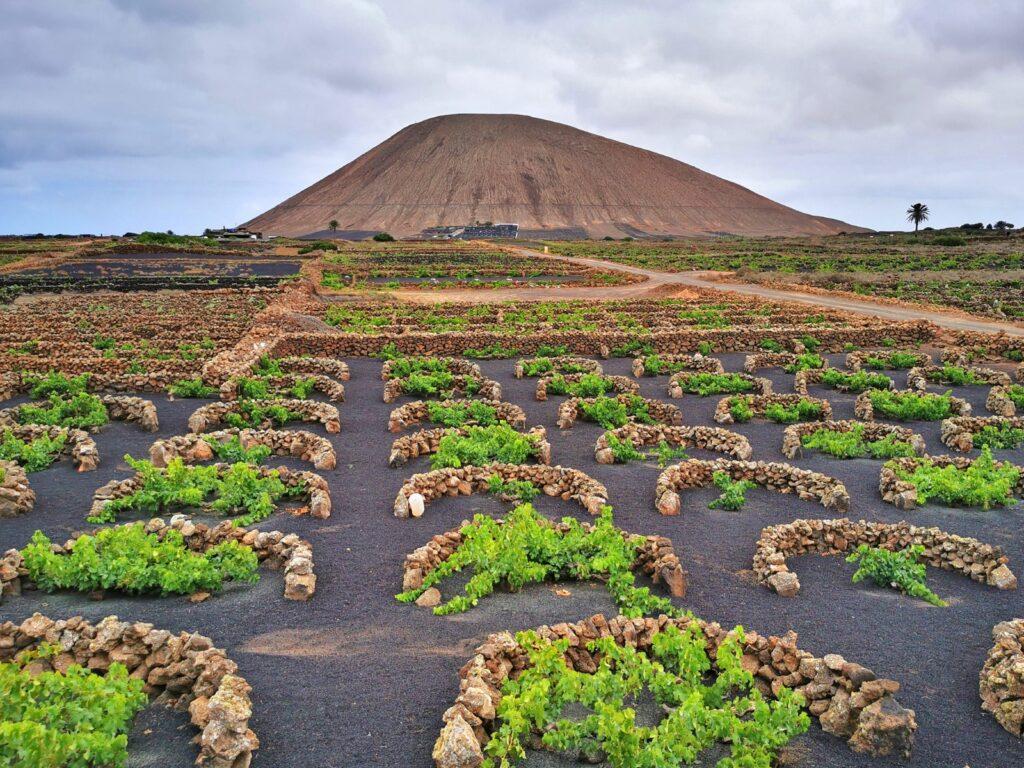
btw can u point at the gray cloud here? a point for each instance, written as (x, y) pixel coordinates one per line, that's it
(123, 114)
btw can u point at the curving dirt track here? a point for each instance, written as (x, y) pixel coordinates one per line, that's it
(668, 284)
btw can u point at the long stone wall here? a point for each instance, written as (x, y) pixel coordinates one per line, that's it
(970, 557)
(193, 448)
(677, 383)
(849, 700)
(759, 404)
(1000, 403)
(696, 363)
(281, 385)
(186, 668)
(920, 376)
(760, 360)
(864, 409)
(775, 476)
(621, 385)
(704, 438)
(324, 366)
(487, 389)
(454, 365)
(212, 414)
(855, 360)
(569, 484)
(572, 410)
(803, 380)
(1001, 681)
(560, 363)
(426, 441)
(418, 411)
(794, 433)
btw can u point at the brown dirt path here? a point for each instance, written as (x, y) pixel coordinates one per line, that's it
(667, 284)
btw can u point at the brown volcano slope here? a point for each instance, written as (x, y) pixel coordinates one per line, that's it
(457, 169)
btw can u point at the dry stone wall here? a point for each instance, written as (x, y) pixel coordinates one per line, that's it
(704, 438)
(572, 410)
(282, 385)
(803, 380)
(958, 432)
(78, 445)
(759, 404)
(212, 414)
(920, 376)
(1000, 403)
(696, 362)
(135, 410)
(454, 365)
(621, 385)
(418, 411)
(903, 495)
(1001, 681)
(760, 360)
(16, 496)
(978, 561)
(487, 389)
(864, 409)
(678, 381)
(426, 441)
(193, 448)
(793, 434)
(855, 361)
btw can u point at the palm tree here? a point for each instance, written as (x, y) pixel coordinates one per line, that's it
(333, 225)
(917, 213)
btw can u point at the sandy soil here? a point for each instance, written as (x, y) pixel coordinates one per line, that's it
(354, 678)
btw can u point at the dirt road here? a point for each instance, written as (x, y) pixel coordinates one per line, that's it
(665, 284)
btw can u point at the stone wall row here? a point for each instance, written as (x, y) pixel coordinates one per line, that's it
(426, 441)
(212, 414)
(703, 438)
(299, 444)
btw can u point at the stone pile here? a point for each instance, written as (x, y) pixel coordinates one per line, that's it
(919, 376)
(212, 414)
(849, 700)
(279, 551)
(572, 409)
(427, 441)
(187, 669)
(1001, 681)
(194, 448)
(976, 560)
(569, 484)
(696, 362)
(677, 383)
(703, 438)
(759, 405)
(281, 385)
(77, 442)
(560, 363)
(864, 409)
(486, 389)
(903, 495)
(803, 380)
(314, 487)
(855, 361)
(760, 360)
(958, 433)
(418, 411)
(792, 435)
(775, 476)
(454, 365)
(1000, 403)
(622, 385)
(655, 558)
(16, 497)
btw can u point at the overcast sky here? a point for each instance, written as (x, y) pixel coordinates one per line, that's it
(180, 114)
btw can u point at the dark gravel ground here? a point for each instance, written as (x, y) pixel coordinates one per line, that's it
(354, 678)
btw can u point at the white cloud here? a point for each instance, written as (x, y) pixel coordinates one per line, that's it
(123, 114)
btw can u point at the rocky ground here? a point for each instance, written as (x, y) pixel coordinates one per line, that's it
(354, 678)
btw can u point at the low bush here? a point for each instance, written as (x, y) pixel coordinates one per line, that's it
(383, 237)
(521, 490)
(186, 388)
(33, 455)
(459, 414)
(852, 444)
(549, 350)
(771, 345)
(855, 382)
(704, 713)
(127, 559)
(612, 413)
(55, 383)
(623, 451)
(589, 385)
(251, 415)
(956, 376)
(740, 410)
(902, 570)
(983, 484)
(1003, 437)
(527, 549)
(705, 384)
(811, 343)
(805, 362)
(911, 406)
(734, 492)
(232, 451)
(485, 445)
(81, 411)
(894, 361)
(75, 718)
(1016, 394)
(490, 352)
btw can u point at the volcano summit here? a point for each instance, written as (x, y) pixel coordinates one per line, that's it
(541, 175)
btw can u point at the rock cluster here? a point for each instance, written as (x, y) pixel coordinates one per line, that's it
(849, 700)
(455, 365)
(212, 414)
(677, 383)
(16, 497)
(426, 441)
(77, 442)
(919, 376)
(1000, 403)
(566, 483)
(655, 558)
(704, 438)
(1001, 681)
(560, 363)
(696, 362)
(974, 559)
(864, 409)
(775, 476)
(958, 432)
(279, 551)
(314, 486)
(487, 389)
(281, 385)
(193, 448)
(855, 360)
(792, 435)
(620, 384)
(771, 360)
(803, 380)
(418, 411)
(758, 404)
(572, 409)
(903, 494)
(185, 668)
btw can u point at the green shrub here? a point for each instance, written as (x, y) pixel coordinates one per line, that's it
(810, 342)
(383, 237)
(549, 350)
(740, 410)
(589, 385)
(33, 455)
(983, 484)
(805, 362)
(462, 413)
(900, 570)
(54, 383)
(611, 413)
(948, 240)
(855, 382)
(1016, 394)
(770, 345)
(196, 387)
(251, 415)
(852, 444)
(894, 361)
(911, 406)
(734, 492)
(528, 549)
(75, 718)
(623, 451)
(439, 384)
(252, 389)
(490, 352)
(485, 445)
(956, 376)
(729, 708)
(521, 490)
(705, 348)
(1003, 436)
(81, 411)
(232, 450)
(631, 348)
(127, 559)
(802, 410)
(705, 384)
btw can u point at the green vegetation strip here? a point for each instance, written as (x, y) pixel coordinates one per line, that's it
(853, 445)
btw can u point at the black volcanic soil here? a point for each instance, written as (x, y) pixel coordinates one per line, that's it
(353, 678)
